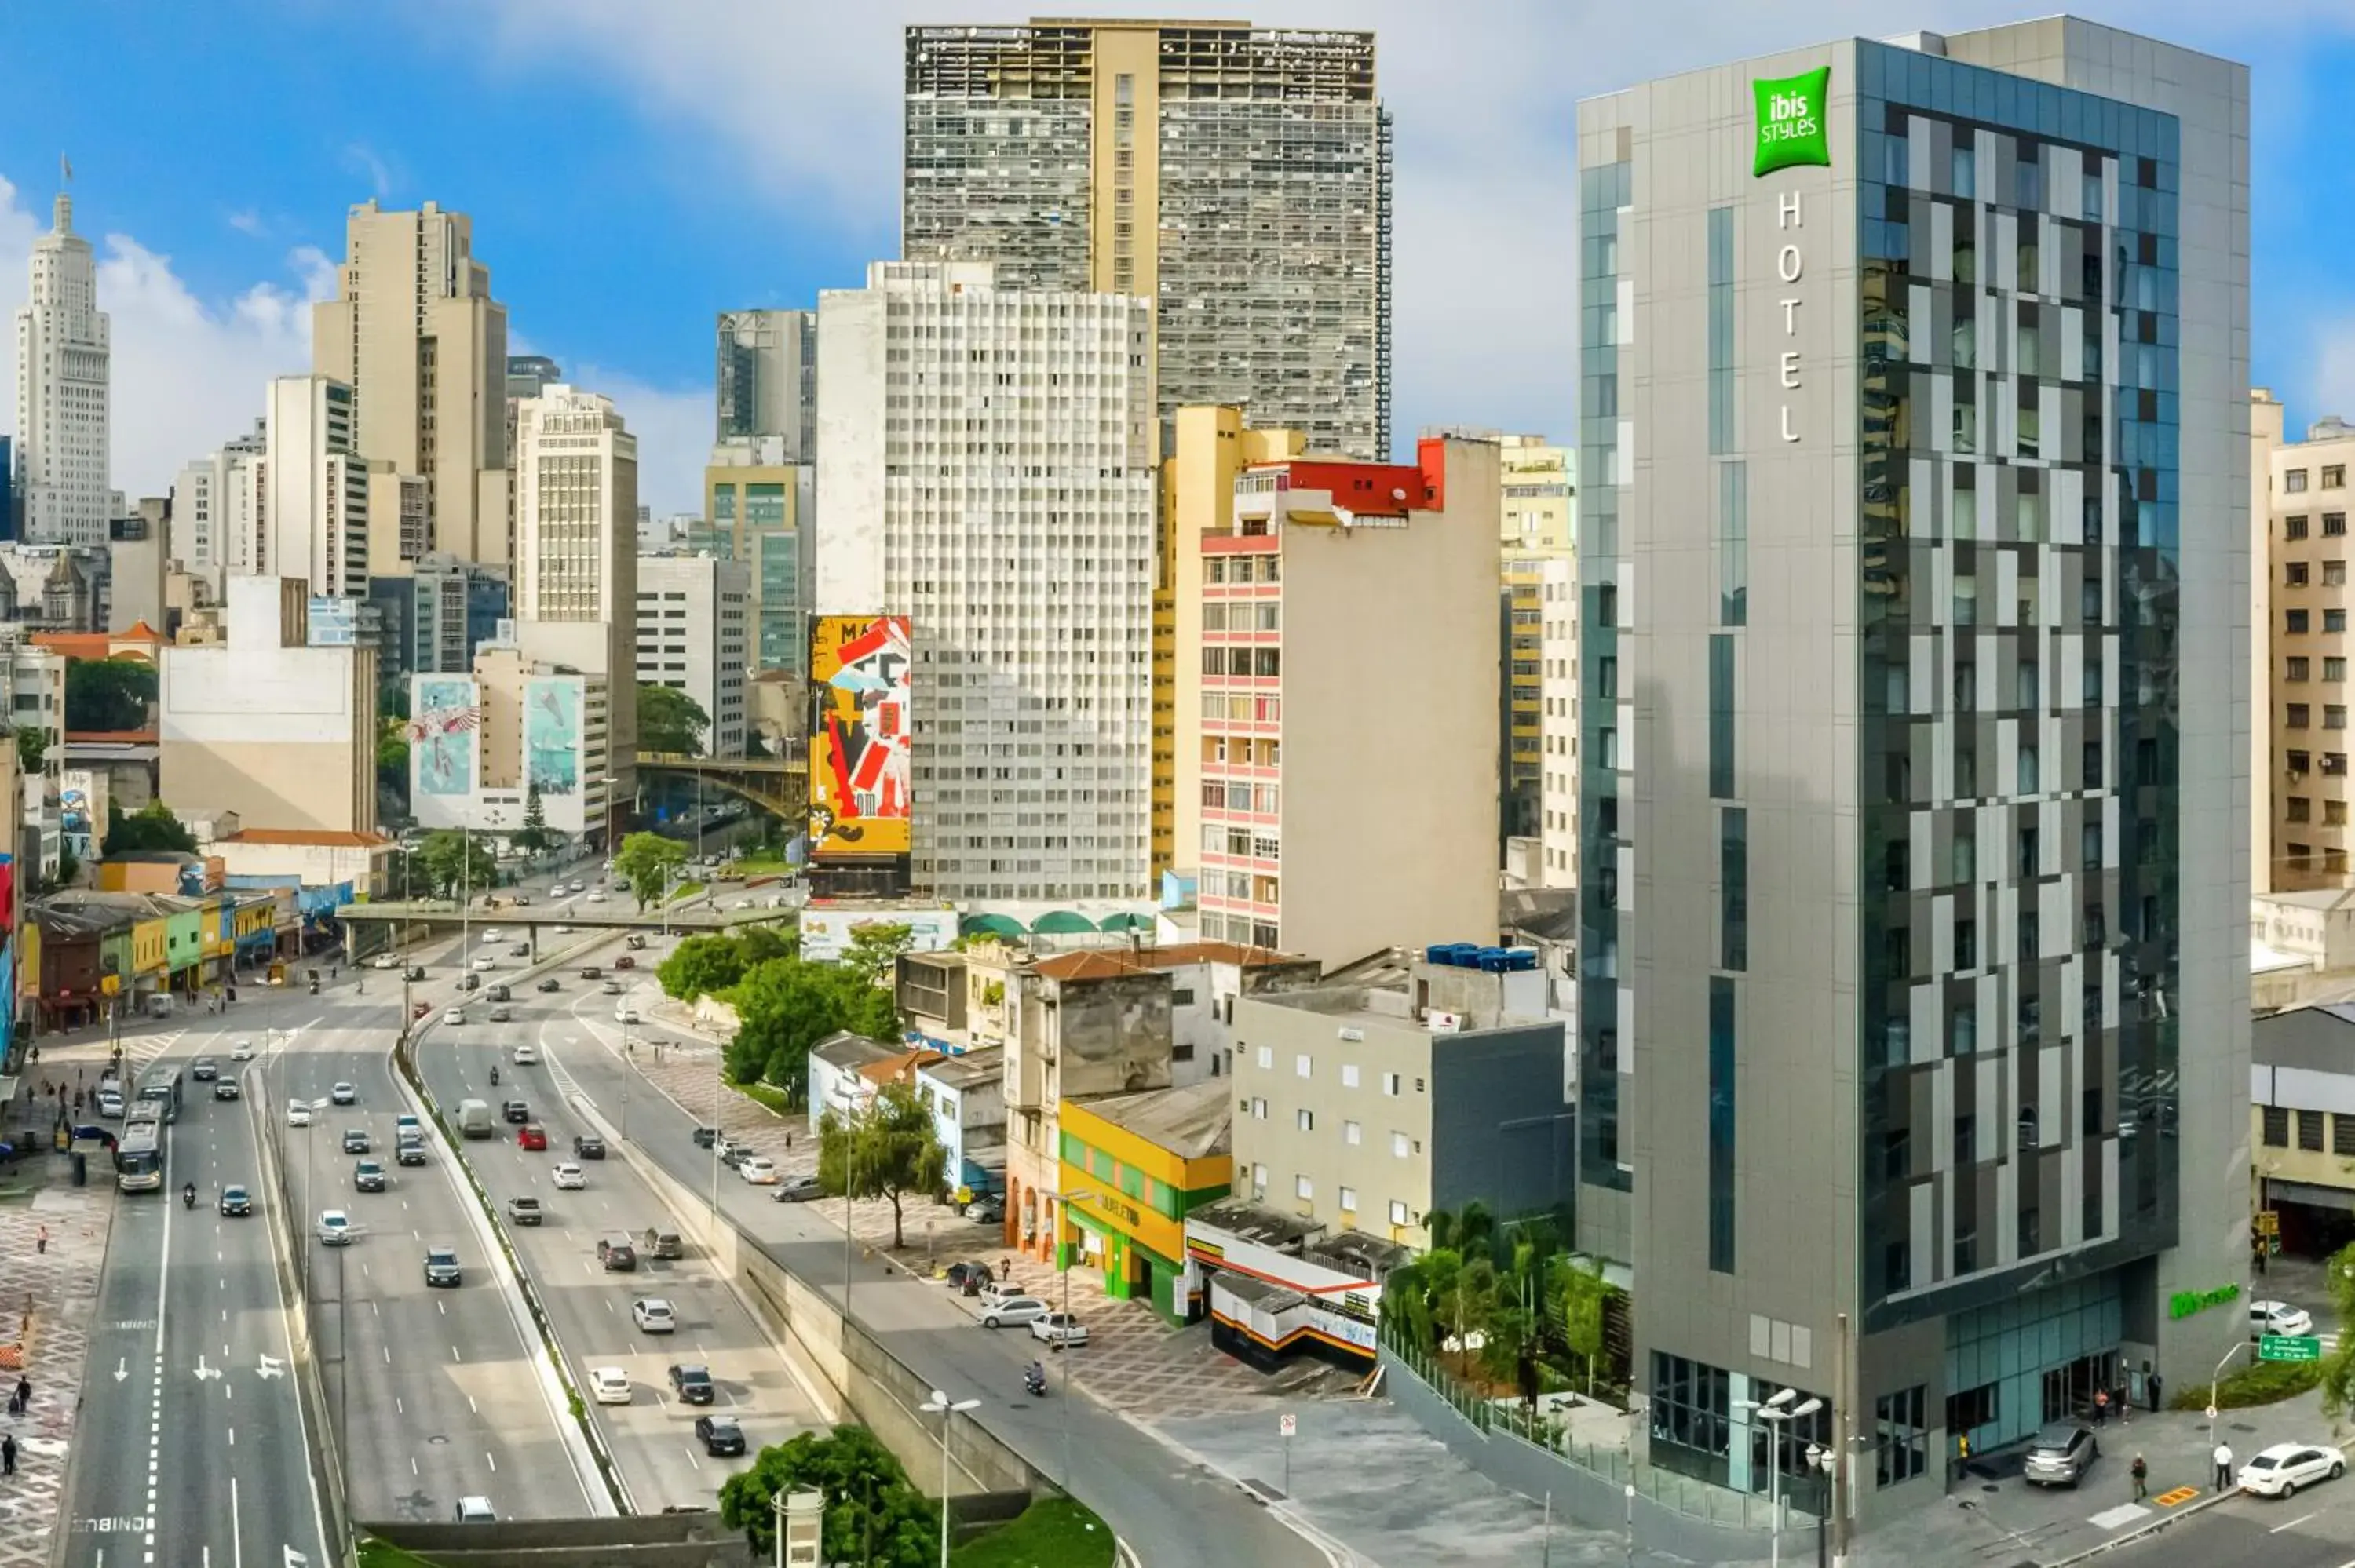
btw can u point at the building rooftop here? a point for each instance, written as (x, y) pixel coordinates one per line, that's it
(136, 906)
(1101, 963)
(899, 1066)
(2312, 1039)
(1241, 1217)
(297, 836)
(851, 1052)
(152, 857)
(968, 1070)
(1192, 1122)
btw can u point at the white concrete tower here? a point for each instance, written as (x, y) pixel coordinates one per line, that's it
(62, 391)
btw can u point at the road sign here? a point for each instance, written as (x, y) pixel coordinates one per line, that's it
(2289, 1348)
(1287, 1425)
(2268, 1223)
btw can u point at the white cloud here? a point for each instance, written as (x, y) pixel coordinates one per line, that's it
(248, 221)
(188, 372)
(1483, 92)
(2331, 384)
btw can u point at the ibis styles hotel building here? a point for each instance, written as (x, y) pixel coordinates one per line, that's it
(1914, 1009)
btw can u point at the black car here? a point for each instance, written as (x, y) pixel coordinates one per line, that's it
(500, 993)
(416, 972)
(720, 1434)
(585, 1147)
(548, 984)
(470, 982)
(516, 1111)
(225, 1089)
(356, 1140)
(692, 1384)
(590, 971)
(203, 1070)
(368, 1176)
(959, 1273)
(706, 1135)
(235, 1200)
(520, 950)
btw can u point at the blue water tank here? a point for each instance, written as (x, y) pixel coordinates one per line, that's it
(1519, 959)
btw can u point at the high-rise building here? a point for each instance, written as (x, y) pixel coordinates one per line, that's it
(1558, 697)
(1238, 176)
(216, 507)
(1540, 495)
(314, 508)
(2299, 496)
(530, 374)
(1334, 620)
(9, 522)
(1914, 428)
(413, 331)
(1023, 560)
(62, 372)
(757, 506)
(693, 623)
(576, 566)
(768, 379)
(1536, 526)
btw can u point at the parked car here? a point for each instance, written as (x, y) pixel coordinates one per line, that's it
(526, 1210)
(617, 1253)
(335, 1228)
(798, 1189)
(959, 1275)
(368, 1176)
(570, 1177)
(225, 1089)
(442, 1265)
(705, 1137)
(2281, 1469)
(989, 1209)
(2064, 1451)
(587, 1148)
(654, 1314)
(548, 984)
(344, 1095)
(533, 1137)
(514, 1111)
(719, 1435)
(204, 1070)
(356, 1140)
(526, 1056)
(691, 1383)
(1059, 1330)
(609, 1385)
(1012, 1311)
(2279, 1317)
(235, 1201)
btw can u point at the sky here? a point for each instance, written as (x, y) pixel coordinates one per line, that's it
(634, 166)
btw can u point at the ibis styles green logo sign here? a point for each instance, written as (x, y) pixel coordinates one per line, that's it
(1791, 130)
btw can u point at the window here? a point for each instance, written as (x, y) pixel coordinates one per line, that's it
(1966, 1136)
(2334, 476)
(1963, 1029)
(1305, 1120)
(2294, 482)
(1303, 1188)
(2334, 716)
(2295, 668)
(1348, 1200)
(2334, 574)
(2294, 528)
(2299, 809)
(1901, 1435)
(2294, 622)
(2293, 575)
(1390, 1083)
(2334, 668)
(2276, 1127)
(2309, 1131)
(2334, 620)
(2342, 1135)
(1352, 1133)
(1722, 1181)
(2334, 524)
(2297, 716)
(1348, 1074)
(1300, 1065)
(1966, 944)
(1400, 1145)
(1267, 1057)
(1397, 1213)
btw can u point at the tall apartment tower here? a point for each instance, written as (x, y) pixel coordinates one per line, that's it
(2299, 497)
(1914, 562)
(217, 504)
(693, 623)
(63, 355)
(413, 331)
(576, 569)
(1023, 558)
(767, 379)
(1238, 176)
(314, 489)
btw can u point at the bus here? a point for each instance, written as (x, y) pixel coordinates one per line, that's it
(139, 1157)
(159, 1090)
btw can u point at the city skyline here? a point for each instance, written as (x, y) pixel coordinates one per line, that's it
(209, 265)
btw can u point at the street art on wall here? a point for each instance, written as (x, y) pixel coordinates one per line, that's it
(554, 740)
(444, 735)
(861, 669)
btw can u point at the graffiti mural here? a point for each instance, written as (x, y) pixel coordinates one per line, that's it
(861, 669)
(554, 740)
(444, 735)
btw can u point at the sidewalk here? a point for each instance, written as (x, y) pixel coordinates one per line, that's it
(58, 1296)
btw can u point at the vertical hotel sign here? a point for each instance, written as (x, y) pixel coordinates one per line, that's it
(1792, 135)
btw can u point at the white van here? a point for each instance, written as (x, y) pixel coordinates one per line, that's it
(475, 1119)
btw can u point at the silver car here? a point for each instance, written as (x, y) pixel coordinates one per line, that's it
(2064, 1451)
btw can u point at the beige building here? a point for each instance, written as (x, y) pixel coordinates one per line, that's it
(315, 488)
(526, 726)
(1337, 693)
(281, 733)
(2300, 498)
(757, 501)
(414, 332)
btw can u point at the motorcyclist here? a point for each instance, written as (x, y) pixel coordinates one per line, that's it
(495, 1075)
(188, 1194)
(1034, 1377)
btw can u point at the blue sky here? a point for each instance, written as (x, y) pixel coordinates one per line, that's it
(634, 167)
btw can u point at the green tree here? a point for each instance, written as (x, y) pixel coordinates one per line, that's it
(534, 837)
(645, 862)
(670, 720)
(872, 1514)
(887, 1148)
(69, 868)
(701, 966)
(2338, 1361)
(874, 951)
(110, 694)
(786, 1006)
(32, 746)
(392, 701)
(454, 863)
(151, 827)
(392, 755)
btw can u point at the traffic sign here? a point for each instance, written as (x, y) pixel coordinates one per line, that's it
(1287, 1425)
(2289, 1348)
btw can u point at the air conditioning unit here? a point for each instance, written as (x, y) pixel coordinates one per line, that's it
(1349, 1034)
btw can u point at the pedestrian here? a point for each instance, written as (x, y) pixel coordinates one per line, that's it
(2223, 1466)
(2141, 1479)
(8, 1455)
(2101, 1407)
(25, 1394)
(2153, 1380)
(41, 1242)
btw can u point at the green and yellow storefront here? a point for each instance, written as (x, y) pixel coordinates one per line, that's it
(1125, 1198)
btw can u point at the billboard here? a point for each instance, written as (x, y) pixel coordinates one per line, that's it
(827, 933)
(81, 807)
(860, 668)
(445, 735)
(555, 741)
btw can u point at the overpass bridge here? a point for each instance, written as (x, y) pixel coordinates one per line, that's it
(779, 786)
(700, 917)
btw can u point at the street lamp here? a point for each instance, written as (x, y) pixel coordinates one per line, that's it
(1775, 1410)
(939, 1405)
(1064, 1202)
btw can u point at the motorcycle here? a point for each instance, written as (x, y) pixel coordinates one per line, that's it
(495, 1077)
(1034, 1379)
(188, 1195)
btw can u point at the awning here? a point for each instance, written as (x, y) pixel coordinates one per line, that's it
(1062, 923)
(2311, 1195)
(990, 926)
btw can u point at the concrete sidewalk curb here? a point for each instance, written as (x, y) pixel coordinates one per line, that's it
(2143, 1532)
(64, 1536)
(1335, 1554)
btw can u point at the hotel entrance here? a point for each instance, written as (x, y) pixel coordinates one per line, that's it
(2069, 1390)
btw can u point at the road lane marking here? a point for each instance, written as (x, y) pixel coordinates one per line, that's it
(236, 1529)
(494, 1458)
(2292, 1525)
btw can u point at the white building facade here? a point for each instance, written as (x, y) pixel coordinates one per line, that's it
(314, 506)
(693, 618)
(1558, 654)
(987, 463)
(62, 376)
(217, 505)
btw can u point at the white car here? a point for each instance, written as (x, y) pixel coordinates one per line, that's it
(491, 933)
(758, 1170)
(298, 1114)
(335, 1228)
(241, 1052)
(654, 1314)
(110, 1105)
(486, 962)
(526, 1056)
(596, 896)
(2279, 1317)
(1059, 1330)
(564, 930)
(2281, 1469)
(610, 1385)
(570, 1177)
(453, 1015)
(385, 962)
(1012, 1311)
(344, 1095)
(626, 1015)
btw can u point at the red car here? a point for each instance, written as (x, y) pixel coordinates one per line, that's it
(532, 1135)
(625, 962)
(420, 1010)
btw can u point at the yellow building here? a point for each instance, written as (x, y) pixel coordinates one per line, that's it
(1537, 524)
(755, 513)
(1539, 484)
(1130, 1168)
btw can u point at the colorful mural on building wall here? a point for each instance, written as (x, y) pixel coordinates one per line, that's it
(444, 735)
(860, 670)
(555, 741)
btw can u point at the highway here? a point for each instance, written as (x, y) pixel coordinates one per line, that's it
(652, 1437)
(193, 1433)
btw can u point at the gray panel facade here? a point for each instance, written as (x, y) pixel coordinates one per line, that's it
(1501, 1133)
